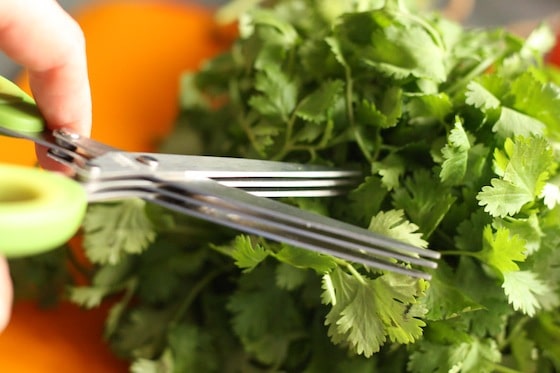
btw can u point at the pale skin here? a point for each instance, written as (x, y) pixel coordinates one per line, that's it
(42, 37)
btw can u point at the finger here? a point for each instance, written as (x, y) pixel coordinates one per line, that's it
(41, 36)
(6, 294)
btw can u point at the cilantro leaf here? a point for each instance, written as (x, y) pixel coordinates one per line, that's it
(429, 108)
(365, 200)
(391, 169)
(114, 230)
(305, 259)
(247, 253)
(502, 250)
(467, 357)
(277, 93)
(455, 154)
(424, 200)
(192, 349)
(529, 162)
(444, 299)
(289, 277)
(527, 229)
(469, 232)
(523, 290)
(478, 96)
(255, 320)
(315, 106)
(391, 45)
(365, 312)
(514, 123)
(530, 94)
(393, 224)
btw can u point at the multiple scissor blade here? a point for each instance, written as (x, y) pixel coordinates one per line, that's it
(209, 200)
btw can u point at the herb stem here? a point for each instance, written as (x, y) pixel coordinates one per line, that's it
(234, 94)
(355, 273)
(466, 78)
(350, 114)
(191, 296)
(473, 254)
(514, 333)
(288, 145)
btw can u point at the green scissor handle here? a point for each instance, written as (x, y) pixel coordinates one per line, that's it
(39, 210)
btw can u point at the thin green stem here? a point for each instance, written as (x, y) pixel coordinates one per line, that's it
(355, 273)
(241, 117)
(476, 71)
(350, 114)
(288, 144)
(473, 254)
(514, 333)
(193, 294)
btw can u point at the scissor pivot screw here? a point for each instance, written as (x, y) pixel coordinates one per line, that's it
(147, 160)
(67, 134)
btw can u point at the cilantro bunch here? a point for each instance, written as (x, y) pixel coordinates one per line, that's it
(457, 131)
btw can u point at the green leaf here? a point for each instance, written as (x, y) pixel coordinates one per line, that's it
(428, 108)
(141, 331)
(523, 290)
(455, 154)
(477, 356)
(393, 224)
(502, 250)
(391, 44)
(469, 357)
(277, 93)
(192, 349)
(444, 299)
(541, 40)
(263, 19)
(514, 123)
(289, 277)
(365, 200)
(469, 232)
(89, 296)
(424, 199)
(539, 100)
(503, 198)
(479, 97)
(383, 112)
(550, 195)
(365, 312)
(391, 169)
(527, 229)
(306, 259)
(115, 230)
(315, 106)
(529, 163)
(248, 252)
(254, 306)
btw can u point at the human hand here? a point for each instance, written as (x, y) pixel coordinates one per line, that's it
(42, 37)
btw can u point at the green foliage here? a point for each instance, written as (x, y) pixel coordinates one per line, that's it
(457, 133)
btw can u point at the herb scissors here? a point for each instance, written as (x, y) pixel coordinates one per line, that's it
(232, 192)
